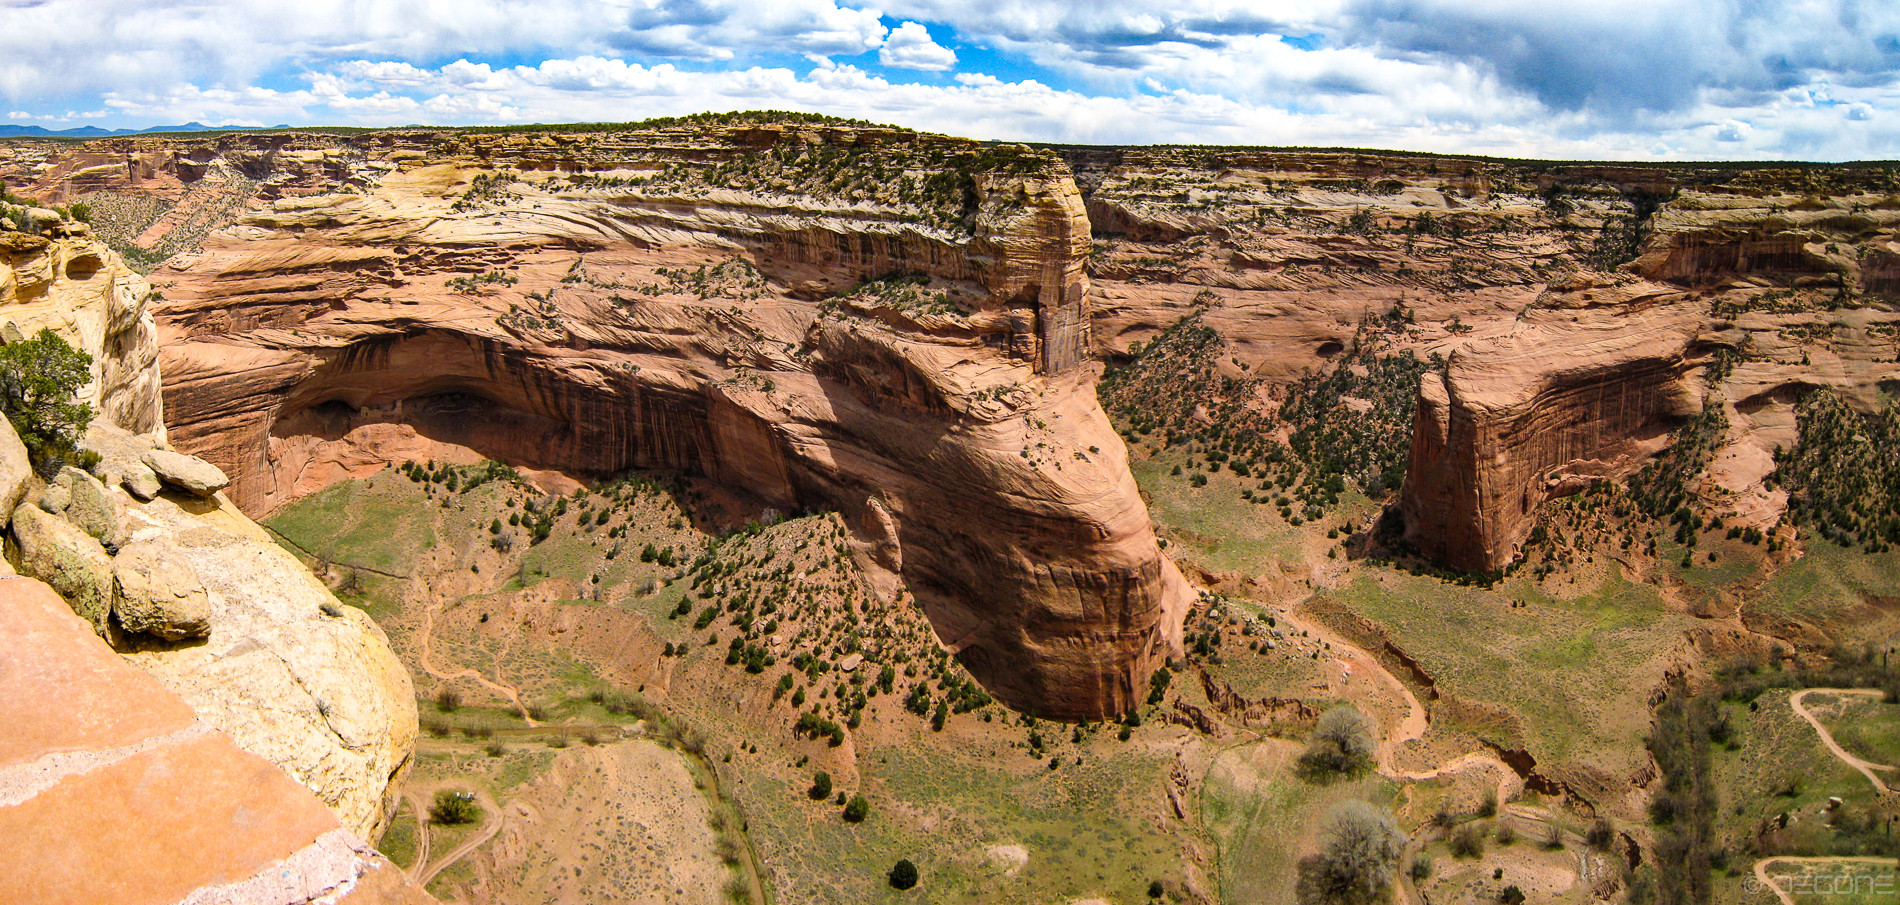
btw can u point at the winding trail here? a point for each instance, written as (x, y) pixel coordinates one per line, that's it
(1866, 768)
(422, 833)
(1798, 701)
(1410, 727)
(487, 832)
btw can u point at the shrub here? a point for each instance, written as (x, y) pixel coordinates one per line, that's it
(1468, 842)
(820, 786)
(1341, 745)
(38, 379)
(1600, 834)
(1421, 867)
(447, 700)
(1511, 896)
(856, 809)
(453, 808)
(1358, 858)
(903, 874)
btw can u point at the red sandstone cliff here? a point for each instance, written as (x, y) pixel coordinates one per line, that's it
(691, 299)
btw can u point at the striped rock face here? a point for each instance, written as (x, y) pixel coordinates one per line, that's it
(113, 790)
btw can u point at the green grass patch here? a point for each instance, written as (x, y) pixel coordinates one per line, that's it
(1575, 672)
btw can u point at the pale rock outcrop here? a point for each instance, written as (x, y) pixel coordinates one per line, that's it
(160, 593)
(188, 473)
(121, 459)
(91, 508)
(53, 550)
(113, 790)
(321, 696)
(15, 470)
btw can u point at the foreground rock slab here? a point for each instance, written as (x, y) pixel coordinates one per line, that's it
(112, 789)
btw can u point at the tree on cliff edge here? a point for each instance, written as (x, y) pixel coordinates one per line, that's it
(38, 379)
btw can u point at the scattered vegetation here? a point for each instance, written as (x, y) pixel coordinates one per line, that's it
(39, 378)
(1842, 476)
(1347, 427)
(1358, 858)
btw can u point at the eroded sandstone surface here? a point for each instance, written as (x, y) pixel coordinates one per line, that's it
(112, 789)
(1579, 313)
(893, 325)
(167, 569)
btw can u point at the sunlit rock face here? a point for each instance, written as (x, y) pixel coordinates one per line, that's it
(824, 317)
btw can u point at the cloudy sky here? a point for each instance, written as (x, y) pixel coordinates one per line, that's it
(1629, 79)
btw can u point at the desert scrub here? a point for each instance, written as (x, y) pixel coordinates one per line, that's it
(1842, 478)
(488, 191)
(732, 278)
(473, 284)
(1349, 426)
(907, 293)
(38, 379)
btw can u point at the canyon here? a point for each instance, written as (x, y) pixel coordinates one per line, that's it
(1052, 397)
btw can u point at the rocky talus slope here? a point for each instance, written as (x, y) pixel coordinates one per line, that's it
(892, 325)
(144, 545)
(1580, 313)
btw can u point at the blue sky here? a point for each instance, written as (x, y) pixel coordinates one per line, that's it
(1656, 79)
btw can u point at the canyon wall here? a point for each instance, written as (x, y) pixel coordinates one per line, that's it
(822, 317)
(1581, 311)
(144, 546)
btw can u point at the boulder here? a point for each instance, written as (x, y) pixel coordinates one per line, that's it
(187, 473)
(91, 508)
(160, 593)
(54, 551)
(15, 471)
(54, 498)
(121, 458)
(320, 695)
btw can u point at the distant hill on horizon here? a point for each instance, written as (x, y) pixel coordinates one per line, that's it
(8, 131)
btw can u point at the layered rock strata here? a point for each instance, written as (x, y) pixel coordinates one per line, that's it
(893, 325)
(1583, 310)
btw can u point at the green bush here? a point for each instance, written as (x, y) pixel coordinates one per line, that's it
(856, 809)
(1342, 744)
(904, 874)
(454, 808)
(820, 786)
(38, 379)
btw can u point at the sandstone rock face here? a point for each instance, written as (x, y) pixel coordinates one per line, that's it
(744, 327)
(1583, 310)
(159, 593)
(113, 790)
(15, 470)
(321, 697)
(188, 473)
(1568, 397)
(53, 550)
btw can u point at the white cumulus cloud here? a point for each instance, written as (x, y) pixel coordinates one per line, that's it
(911, 47)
